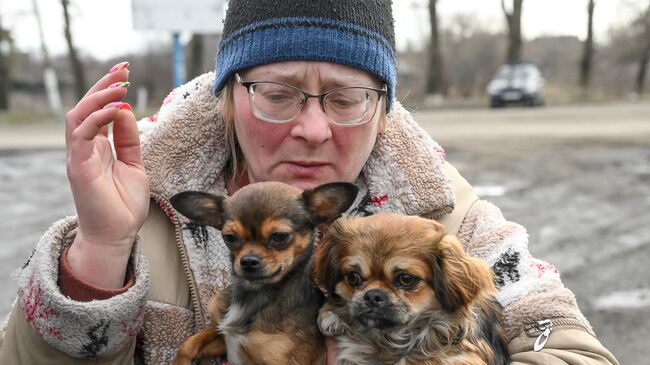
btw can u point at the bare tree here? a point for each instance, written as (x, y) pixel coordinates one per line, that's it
(4, 70)
(436, 83)
(195, 65)
(588, 50)
(77, 67)
(513, 19)
(643, 23)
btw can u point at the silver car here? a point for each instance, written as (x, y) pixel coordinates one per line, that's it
(516, 83)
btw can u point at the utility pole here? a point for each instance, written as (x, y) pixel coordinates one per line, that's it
(49, 75)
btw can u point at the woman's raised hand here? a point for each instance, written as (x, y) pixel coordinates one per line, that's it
(111, 194)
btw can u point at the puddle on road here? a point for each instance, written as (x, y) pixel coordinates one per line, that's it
(629, 299)
(489, 191)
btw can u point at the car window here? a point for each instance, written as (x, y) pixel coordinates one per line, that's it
(519, 72)
(504, 72)
(522, 73)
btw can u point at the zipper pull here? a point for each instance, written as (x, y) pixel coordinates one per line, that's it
(546, 326)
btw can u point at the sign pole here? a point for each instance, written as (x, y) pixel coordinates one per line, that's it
(178, 60)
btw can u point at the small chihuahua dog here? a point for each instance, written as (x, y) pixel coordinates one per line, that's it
(401, 291)
(268, 313)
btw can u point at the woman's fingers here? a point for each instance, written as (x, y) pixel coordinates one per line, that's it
(115, 81)
(331, 350)
(117, 73)
(126, 137)
(93, 103)
(81, 143)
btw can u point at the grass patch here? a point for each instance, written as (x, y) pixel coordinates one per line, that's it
(17, 117)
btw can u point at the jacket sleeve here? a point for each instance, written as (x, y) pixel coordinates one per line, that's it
(530, 290)
(47, 327)
(566, 345)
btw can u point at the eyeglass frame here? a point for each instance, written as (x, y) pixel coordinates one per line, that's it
(247, 84)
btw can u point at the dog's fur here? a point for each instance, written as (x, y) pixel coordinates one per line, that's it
(268, 313)
(402, 291)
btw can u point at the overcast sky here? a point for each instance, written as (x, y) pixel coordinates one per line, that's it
(104, 29)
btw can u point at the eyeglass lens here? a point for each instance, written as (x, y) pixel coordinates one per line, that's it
(280, 103)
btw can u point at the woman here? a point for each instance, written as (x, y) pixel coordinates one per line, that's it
(303, 93)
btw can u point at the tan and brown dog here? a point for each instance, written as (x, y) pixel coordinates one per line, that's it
(268, 313)
(402, 291)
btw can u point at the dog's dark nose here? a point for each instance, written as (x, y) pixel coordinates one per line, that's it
(250, 263)
(375, 298)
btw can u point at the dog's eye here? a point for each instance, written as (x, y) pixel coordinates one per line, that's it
(353, 278)
(230, 239)
(279, 239)
(406, 281)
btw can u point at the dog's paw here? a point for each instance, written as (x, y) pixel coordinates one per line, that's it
(330, 324)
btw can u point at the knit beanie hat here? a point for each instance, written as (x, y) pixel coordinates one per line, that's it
(357, 33)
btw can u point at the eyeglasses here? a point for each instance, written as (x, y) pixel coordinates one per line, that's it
(276, 102)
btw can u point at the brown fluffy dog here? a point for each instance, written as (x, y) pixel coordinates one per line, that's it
(402, 291)
(268, 313)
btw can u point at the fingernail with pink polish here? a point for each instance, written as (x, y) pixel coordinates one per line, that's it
(116, 105)
(120, 84)
(126, 106)
(118, 67)
(119, 105)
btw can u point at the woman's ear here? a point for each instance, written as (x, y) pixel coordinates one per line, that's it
(459, 279)
(383, 118)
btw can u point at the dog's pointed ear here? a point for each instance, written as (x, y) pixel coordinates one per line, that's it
(326, 263)
(327, 202)
(458, 278)
(200, 207)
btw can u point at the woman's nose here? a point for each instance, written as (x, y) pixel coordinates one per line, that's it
(312, 124)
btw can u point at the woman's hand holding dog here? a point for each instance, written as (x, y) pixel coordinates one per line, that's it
(111, 195)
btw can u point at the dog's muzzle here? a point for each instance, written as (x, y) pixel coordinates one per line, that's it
(250, 264)
(376, 310)
(251, 268)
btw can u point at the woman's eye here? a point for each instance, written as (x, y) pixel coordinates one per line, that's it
(276, 97)
(406, 281)
(344, 103)
(353, 278)
(279, 239)
(230, 239)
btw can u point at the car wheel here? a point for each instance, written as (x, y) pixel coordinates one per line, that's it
(495, 103)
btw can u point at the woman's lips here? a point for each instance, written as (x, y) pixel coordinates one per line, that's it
(305, 169)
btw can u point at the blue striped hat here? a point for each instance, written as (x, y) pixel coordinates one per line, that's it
(357, 33)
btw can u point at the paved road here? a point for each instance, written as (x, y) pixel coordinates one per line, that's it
(577, 177)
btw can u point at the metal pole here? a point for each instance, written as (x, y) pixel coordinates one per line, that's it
(179, 60)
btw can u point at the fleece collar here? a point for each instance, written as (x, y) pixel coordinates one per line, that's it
(183, 148)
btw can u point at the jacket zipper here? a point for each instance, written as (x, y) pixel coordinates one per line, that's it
(542, 329)
(546, 326)
(447, 209)
(189, 276)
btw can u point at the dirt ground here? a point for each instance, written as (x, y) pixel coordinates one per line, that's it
(577, 177)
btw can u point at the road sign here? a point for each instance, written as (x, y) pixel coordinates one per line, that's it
(194, 16)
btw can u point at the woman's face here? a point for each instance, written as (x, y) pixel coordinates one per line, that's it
(309, 150)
